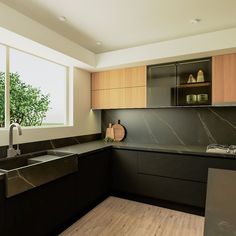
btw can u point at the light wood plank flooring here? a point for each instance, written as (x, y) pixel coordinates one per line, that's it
(116, 216)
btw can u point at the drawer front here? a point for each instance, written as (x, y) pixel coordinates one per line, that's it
(180, 166)
(180, 191)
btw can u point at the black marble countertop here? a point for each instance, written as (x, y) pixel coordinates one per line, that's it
(93, 146)
(85, 148)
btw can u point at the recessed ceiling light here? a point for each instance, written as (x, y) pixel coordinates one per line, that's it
(195, 21)
(99, 43)
(62, 18)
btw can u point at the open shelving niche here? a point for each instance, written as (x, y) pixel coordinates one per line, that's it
(183, 88)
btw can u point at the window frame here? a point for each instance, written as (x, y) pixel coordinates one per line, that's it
(7, 90)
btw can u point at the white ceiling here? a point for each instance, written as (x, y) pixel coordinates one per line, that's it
(122, 24)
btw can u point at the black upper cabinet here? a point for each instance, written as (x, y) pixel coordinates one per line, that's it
(161, 85)
(186, 83)
(197, 92)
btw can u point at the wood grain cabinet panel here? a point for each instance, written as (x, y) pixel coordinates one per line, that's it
(117, 78)
(135, 76)
(135, 97)
(100, 80)
(121, 88)
(101, 99)
(117, 98)
(224, 79)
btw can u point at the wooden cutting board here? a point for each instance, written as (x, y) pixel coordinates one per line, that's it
(119, 131)
(110, 132)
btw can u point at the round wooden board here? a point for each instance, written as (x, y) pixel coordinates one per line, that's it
(119, 132)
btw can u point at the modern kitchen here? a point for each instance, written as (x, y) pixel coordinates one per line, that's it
(117, 118)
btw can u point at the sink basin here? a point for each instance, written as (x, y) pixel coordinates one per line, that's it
(16, 162)
(28, 171)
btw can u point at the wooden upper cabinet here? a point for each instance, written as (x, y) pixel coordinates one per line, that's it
(117, 78)
(120, 78)
(100, 80)
(224, 79)
(121, 88)
(117, 99)
(101, 99)
(135, 97)
(135, 76)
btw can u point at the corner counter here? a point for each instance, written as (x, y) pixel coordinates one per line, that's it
(93, 146)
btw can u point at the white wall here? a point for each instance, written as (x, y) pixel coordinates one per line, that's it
(86, 121)
(19, 31)
(16, 22)
(202, 45)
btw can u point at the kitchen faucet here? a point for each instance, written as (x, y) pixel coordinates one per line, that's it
(11, 152)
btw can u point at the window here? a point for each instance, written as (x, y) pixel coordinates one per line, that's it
(2, 84)
(38, 90)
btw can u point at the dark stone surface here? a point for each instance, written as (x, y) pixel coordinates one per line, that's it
(176, 126)
(30, 171)
(90, 147)
(51, 144)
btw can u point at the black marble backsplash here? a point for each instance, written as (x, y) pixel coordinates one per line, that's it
(176, 126)
(51, 144)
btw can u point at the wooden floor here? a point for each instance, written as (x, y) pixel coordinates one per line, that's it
(116, 216)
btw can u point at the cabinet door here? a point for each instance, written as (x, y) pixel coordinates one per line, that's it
(124, 171)
(45, 210)
(101, 99)
(135, 97)
(161, 85)
(117, 78)
(179, 166)
(117, 98)
(224, 79)
(100, 80)
(93, 179)
(135, 76)
(175, 190)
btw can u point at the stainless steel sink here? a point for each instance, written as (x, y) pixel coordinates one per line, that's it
(15, 163)
(31, 170)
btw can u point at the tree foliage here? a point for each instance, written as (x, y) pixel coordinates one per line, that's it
(28, 105)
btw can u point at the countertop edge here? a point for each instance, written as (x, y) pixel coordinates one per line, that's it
(99, 145)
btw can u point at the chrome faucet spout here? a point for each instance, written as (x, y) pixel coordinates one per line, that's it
(11, 152)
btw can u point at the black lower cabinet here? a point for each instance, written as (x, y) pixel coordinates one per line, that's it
(92, 184)
(124, 176)
(181, 166)
(50, 208)
(44, 210)
(2, 194)
(178, 177)
(175, 190)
